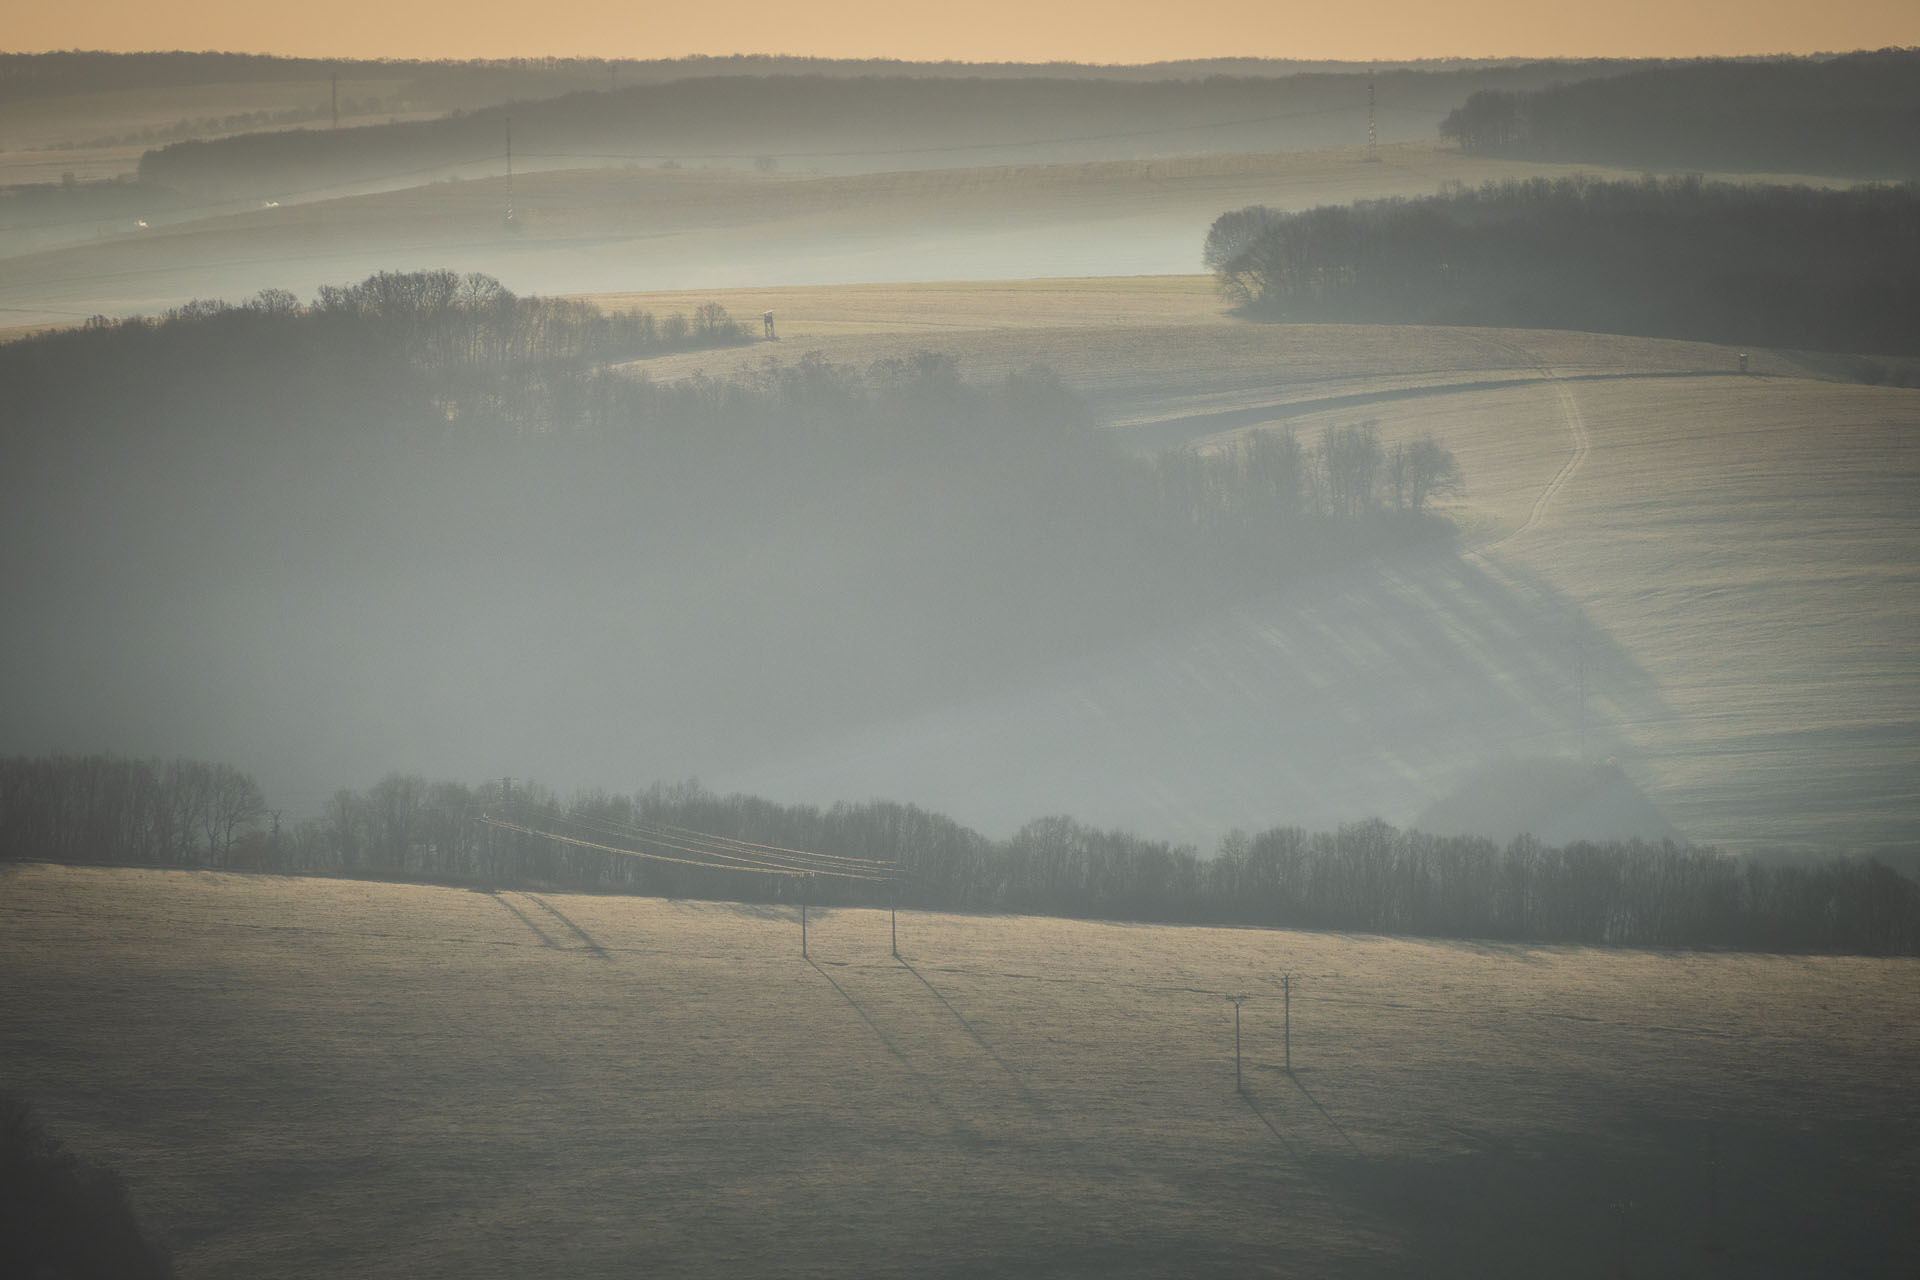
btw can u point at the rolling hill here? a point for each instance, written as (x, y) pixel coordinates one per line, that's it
(317, 1078)
(1723, 560)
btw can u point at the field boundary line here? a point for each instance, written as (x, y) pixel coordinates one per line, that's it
(886, 1041)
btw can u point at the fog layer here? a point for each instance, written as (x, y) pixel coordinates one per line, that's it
(411, 528)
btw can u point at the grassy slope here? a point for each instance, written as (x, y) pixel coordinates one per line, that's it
(307, 1078)
(1737, 554)
(1754, 546)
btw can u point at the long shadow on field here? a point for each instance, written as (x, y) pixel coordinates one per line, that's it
(1253, 1105)
(1025, 1094)
(961, 1131)
(593, 944)
(546, 939)
(886, 1041)
(1324, 1113)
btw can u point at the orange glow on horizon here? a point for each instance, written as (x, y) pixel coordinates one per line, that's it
(1123, 31)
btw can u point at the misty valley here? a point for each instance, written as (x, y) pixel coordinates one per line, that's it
(793, 666)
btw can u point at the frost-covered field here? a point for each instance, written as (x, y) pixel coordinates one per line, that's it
(315, 1078)
(1725, 563)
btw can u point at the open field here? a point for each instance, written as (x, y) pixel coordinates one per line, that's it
(316, 1078)
(629, 229)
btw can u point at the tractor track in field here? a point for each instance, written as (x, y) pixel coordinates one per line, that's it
(1582, 444)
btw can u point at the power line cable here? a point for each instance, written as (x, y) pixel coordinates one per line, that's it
(774, 848)
(731, 863)
(736, 855)
(632, 853)
(653, 831)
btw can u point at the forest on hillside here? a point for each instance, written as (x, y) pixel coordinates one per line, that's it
(422, 509)
(1365, 876)
(1857, 115)
(1795, 267)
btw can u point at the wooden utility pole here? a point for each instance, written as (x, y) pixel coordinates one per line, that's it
(1237, 1087)
(510, 223)
(893, 922)
(1580, 680)
(1373, 134)
(1286, 1020)
(803, 915)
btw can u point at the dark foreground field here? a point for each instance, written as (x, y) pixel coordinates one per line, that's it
(307, 1078)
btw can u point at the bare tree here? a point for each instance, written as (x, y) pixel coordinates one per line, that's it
(1431, 470)
(1350, 460)
(232, 804)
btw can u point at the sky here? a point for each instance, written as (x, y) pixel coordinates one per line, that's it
(978, 30)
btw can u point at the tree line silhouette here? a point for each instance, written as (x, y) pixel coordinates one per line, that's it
(1677, 258)
(1366, 876)
(1857, 115)
(101, 807)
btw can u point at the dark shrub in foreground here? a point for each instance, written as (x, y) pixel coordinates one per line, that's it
(63, 1215)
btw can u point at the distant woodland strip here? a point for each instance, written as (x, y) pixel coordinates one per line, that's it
(1772, 266)
(1857, 115)
(72, 71)
(1366, 876)
(802, 118)
(898, 116)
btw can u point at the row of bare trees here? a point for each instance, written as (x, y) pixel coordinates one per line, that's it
(1266, 486)
(102, 808)
(1366, 876)
(444, 320)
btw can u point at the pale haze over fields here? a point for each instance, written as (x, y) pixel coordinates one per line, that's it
(1741, 705)
(1030, 639)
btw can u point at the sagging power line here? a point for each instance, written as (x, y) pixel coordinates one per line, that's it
(679, 845)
